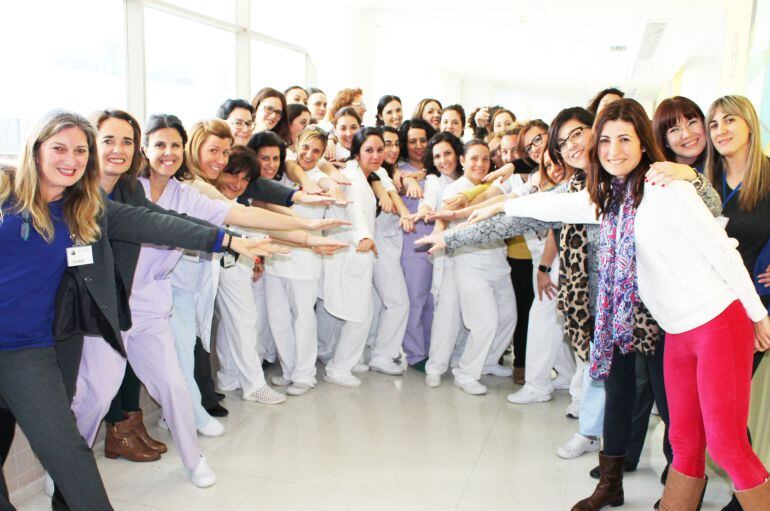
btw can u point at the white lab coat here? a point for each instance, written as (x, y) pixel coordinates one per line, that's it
(348, 274)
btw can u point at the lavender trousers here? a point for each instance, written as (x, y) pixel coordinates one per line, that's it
(150, 348)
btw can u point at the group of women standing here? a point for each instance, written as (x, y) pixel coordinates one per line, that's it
(139, 250)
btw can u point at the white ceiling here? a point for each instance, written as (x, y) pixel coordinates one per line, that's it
(554, 45)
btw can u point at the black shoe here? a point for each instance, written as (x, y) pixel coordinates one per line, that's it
(595, 474)
(217, 411)
(733, 505)
(420, 366)
(664, 476)
(219, 395)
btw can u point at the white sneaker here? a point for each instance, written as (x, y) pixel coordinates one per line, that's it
(202, 476)
(573, 410)
(347, 380)
(265, 395)
(527, 395)
(298, 389)
(433, 380)
(212, 428)
(498, 370)
(474, 387)
(162, 423)
(279, 381)
(361, 368)
(577, 446)
(560, 383)
(385, 367)
(49, 487)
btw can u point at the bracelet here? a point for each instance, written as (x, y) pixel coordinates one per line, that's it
(543, 268)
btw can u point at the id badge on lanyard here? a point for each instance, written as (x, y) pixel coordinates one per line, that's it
(79, 255)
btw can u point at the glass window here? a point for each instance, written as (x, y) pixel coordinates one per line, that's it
(190, 66)
(49, 63)
(220, 9)
(273, 66)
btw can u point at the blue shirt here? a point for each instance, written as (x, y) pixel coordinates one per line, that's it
(30, 272)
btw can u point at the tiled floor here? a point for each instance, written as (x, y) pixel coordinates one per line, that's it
(392, 444)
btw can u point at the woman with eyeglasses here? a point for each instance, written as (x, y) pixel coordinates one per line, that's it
(680, 130)
(239, 114)
(270, 112)
(344, 98)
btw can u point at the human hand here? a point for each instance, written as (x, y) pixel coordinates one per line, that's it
(662, 173)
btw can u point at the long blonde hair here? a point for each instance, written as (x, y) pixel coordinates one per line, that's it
(20, 188)
(756, 182)
(198, 135)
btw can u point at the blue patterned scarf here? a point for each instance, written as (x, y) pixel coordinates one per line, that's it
(618, 295)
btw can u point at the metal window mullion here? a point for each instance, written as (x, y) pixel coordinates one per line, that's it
(135, 63)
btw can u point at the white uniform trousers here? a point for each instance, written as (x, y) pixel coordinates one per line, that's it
(488, 308)
(391, 302)
(350, 346)
(329, 329)
(547, 347)
(293, 325)
(448, 334)
(235, 332)
(265, 342)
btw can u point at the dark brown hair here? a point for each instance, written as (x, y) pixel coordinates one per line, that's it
(668, 114)
(242, 159)
(137, 159)
(282, 128)
(600, 181)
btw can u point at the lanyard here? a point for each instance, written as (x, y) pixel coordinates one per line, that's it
(724, 191)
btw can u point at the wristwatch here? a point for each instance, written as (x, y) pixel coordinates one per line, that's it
(543, 268)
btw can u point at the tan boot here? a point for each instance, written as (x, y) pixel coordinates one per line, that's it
(755, 499)
(121, 440)
(137, 419)
(609, 491)
(682, 493)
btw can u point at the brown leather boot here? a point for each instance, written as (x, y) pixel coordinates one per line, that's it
(137, 419)
(755, 499)
(682, 493)
(609, 491)
(121, 440)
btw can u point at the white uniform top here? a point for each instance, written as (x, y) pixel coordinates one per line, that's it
(433, 195)
(347, 287)
(514, 184)
(340, 153)
(489, 258)
(290, 155)
(437, 189)
(300, 263)
(387, 224)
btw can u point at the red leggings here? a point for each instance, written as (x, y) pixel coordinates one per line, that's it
(707, 373)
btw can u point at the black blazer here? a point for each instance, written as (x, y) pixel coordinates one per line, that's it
(93, 298)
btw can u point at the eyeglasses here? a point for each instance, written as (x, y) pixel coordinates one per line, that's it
(691, 125)
(360, 105)
(573, 136)
(269, 110)
(536, 142)
(239, 124)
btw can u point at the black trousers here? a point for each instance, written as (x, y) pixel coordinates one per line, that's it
(202, 373)
(649, 389)
(620, 391)
(521, 278)
(127, 398)
(33, 390)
